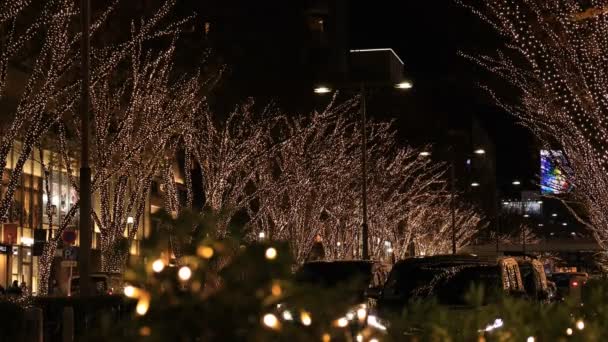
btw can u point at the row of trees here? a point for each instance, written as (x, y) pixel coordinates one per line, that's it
(291, 177)
(295, 177)
(554, 59)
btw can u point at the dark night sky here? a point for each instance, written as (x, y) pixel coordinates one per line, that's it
(261, 36)
(428, 37)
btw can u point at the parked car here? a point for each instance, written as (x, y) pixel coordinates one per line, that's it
(361, 274)
(535, 280)
(448, 279)
(102, 283)
(570, 285)
(353, 279)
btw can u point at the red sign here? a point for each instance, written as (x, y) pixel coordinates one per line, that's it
(69, 236)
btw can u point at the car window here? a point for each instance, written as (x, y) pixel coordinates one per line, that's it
(454, 290)
(99, 284)
(449, 283)
(333, 274)
(380, 275)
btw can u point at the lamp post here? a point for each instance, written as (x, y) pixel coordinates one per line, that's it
(453, 201)
(324, 89)
(84, 255)
(517, 183)
(364, 226)
(365, 71)
(479, 152)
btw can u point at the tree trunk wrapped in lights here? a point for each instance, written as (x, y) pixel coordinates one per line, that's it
(555, 58)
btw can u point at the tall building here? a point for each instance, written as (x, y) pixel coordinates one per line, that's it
(273, 50)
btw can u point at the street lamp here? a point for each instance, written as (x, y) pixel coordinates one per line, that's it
(322, 90)
(453, 190)
(366, 71)
(524, 214)
(404, 85)
(86, 226)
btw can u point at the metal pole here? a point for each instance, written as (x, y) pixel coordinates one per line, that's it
(497, 232)
(364, 226)
(523, 229)
(453, 201)
(498, 210)
(84, 255)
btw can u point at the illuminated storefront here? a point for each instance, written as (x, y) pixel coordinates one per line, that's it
(28, 213)
(35, 193)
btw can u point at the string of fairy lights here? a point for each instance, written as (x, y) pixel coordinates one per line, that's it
(555, 56)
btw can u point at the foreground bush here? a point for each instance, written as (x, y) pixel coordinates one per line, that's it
(228, 290)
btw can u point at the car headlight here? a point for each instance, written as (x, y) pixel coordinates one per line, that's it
(497, 324)
(287, 316)
(376, 322)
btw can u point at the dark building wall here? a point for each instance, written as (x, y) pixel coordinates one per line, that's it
(274, 50)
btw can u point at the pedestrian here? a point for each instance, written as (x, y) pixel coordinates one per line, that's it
(14, 289)
(55, 289)
(23, 287)
(317, 252)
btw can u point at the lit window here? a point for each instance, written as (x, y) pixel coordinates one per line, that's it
(316, 23)
(207, 28)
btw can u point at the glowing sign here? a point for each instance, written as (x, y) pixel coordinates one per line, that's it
(553, 180)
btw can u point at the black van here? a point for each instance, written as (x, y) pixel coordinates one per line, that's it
(448, 278)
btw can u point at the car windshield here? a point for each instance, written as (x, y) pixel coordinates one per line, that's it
(331, 274)
(448, 283)
(562, 280)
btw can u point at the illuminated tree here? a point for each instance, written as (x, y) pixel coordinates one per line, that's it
(554, 58)
(308, 184)
(229, 153)
(33, 107)
(138, 126)
(38, 59)
(50, 99)
(433, 234)
(312, 185)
